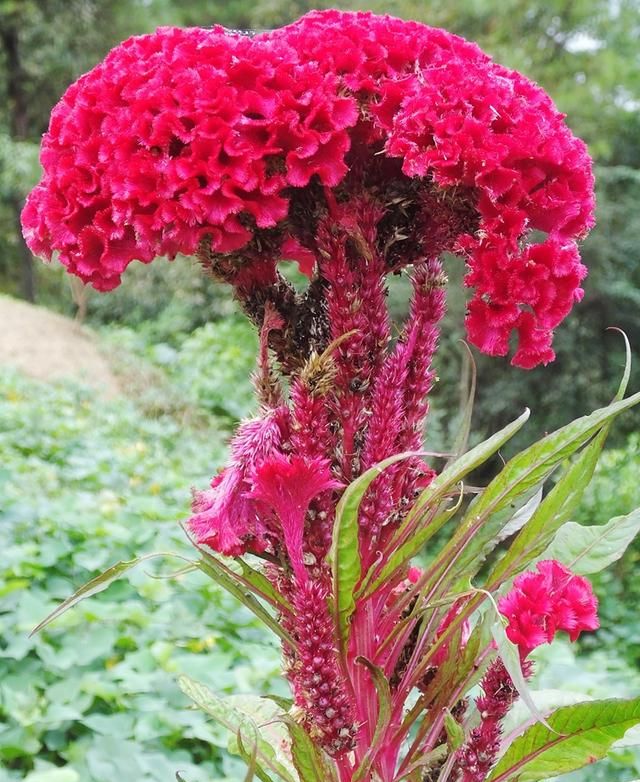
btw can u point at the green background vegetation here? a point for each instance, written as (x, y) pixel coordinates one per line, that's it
(84, 482)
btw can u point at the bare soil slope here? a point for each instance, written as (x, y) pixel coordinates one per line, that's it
(48, 346)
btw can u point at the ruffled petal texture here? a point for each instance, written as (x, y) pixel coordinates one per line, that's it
(192, 138)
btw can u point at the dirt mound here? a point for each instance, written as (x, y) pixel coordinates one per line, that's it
(47, 346)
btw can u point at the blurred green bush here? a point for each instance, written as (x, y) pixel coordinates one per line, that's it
(207, 370)
(615, 491)
(84, 483)
(164, 299)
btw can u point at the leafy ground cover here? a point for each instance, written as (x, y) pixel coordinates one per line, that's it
(207, 370)
(85, 483)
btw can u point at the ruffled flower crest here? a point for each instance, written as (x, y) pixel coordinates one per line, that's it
(545, 602)
(205, 141)
(225, 517)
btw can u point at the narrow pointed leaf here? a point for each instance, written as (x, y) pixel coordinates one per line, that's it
(344, 556)
(455, 472)
(263, 587)
(284, 703)
(556, 508)
(578, 735)
(562, 501)
(249, 578)
(519, 717)
(269, 718)
(98, 584)
(591, 549)
(626, 375)
(249, 756)
(462, 437)
(520, 517)
(221, 577)
(528, 469)
(401, 555)
(430, 498)
(237, 722)
(384, 717)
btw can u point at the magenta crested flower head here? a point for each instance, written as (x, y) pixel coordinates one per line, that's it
(235, 147)
(542, 603)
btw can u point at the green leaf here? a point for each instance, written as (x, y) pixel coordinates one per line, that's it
(626, 375)
(344, 555)
(413, 533)
(269, 718)
(462, 437)
(521, 516)
(558, 506)
(591, 549)
(455, 472)
(578, 735)
(284, 703)
(454, 730)
(510, 656)
(250, 757)
(264, 587)
(219, 573)
(250, 578)
(402, 554)
(239, 723)
(561, 502)
(309, 761)
(98, 584)
(384, 717)
(525, 471)
(519, 717)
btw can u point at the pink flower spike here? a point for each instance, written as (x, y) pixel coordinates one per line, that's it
(540, 604)
(225, 518)
(443, 652)
(287, 484)
(222, 516)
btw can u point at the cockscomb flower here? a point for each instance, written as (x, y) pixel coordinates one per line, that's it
(542, 603)
(357, 146)
(207, 141)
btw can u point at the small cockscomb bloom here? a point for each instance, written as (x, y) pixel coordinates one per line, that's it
(207, 141)
(542, 603)
(286, 485)
(539, 605)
